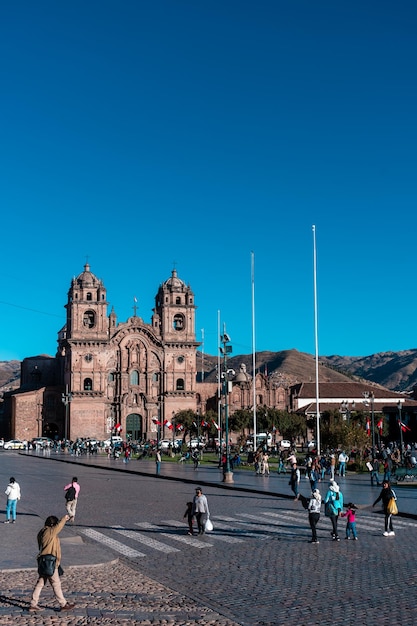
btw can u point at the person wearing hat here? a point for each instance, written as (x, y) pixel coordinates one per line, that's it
(313, 508)
(333, 503)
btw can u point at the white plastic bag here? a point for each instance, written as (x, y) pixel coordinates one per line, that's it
(209, 526)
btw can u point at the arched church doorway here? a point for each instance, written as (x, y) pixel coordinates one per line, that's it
(134, 428)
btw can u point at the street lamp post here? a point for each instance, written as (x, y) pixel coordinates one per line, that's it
(173, 422)
(346, 411)
(225, 350)
(401, 430)
(66, 399)
(369, 399)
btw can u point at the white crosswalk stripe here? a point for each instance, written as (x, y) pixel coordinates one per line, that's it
(231, 530)
(111, 543)
(216, 537)
(147, 541)
(188, 539)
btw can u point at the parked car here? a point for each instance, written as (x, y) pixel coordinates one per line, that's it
(116, 440)
(195, 443)
(166, 444)
(285, 444)
(15, 444)
(42, 441)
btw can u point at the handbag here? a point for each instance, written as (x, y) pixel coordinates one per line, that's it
(392, 507)
(208, 526)
(328, 509)
(46, 565)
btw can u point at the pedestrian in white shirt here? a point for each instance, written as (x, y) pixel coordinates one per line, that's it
(13, 495)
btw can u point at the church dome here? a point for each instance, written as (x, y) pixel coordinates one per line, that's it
(174, 282)
(87, 278)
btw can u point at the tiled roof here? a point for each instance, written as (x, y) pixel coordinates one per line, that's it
(344, 391)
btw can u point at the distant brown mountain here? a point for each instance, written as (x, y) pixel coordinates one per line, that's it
(288, 366)
(396, 371)
(9, 375)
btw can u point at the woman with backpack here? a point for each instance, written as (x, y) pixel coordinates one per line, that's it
(333, 506)
(50, 546)
(71, 496)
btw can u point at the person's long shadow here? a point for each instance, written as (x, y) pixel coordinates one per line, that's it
(22, 604)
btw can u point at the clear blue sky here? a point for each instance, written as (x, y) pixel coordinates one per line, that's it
(143, 134)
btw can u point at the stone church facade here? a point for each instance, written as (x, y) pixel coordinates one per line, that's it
(107, 373)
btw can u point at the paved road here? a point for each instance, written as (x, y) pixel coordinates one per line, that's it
(256, 568)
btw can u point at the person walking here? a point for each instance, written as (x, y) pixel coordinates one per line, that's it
(332, 466)
(158, 461)
(333, 507)
(375, 472)
(314, 476)
(13, 495)
(48, 542)
(313, 508)
(265, 464)
(190, 517)
(71, 496)
(200, 510)
(386, 495)
(295, 480)
(387, 469)
(343, 459)
(350, 521)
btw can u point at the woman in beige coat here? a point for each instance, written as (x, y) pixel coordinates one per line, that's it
(49, 543)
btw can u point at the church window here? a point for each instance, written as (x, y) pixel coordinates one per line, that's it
(88, 384)
(178, 300)
(50, 402)
(134, 377)
(111, 378)
(155, 377)
(89, 319)
(180, 384)
(89, 296)
(178, 322)
(36, 375)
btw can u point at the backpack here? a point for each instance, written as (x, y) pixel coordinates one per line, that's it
(70, 493)
(46, 565)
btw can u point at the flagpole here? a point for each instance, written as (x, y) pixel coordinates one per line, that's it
(219, 394)
(316, 342)
(202, 355)
(253, 350)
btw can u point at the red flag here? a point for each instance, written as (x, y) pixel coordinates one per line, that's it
(216, 425)
(380, 426)
(179, 427)
(155, 421)
(368, 426)
(404, 427)
(168, 424)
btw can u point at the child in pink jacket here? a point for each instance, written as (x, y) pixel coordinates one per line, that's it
(351, 521)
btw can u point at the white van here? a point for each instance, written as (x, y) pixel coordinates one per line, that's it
(261, 439)
(116, 440)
